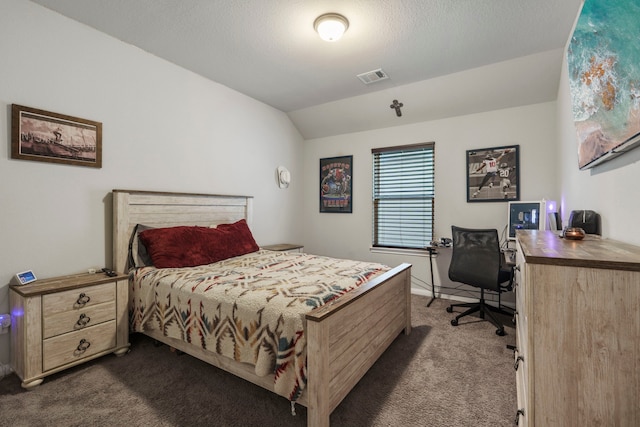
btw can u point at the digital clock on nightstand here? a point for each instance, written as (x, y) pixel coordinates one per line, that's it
(25, 277)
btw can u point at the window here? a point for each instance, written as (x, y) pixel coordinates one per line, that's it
(403, 196)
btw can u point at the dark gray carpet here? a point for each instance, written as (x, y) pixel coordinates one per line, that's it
(439, 375)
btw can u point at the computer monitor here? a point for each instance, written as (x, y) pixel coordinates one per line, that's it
(529, 216)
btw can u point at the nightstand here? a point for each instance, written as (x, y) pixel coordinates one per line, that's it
(61, 322)
(284, 247)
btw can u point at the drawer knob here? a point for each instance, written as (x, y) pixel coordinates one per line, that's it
(518, 360)
(83, 346)
(518, 415)
(83, 299)
(83, 320)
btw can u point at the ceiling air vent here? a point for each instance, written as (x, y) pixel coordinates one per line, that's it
(372, 76)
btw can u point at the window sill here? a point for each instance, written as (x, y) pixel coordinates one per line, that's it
(399, 251)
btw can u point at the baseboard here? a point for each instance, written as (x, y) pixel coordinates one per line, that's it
(5, 370)
(427, 293)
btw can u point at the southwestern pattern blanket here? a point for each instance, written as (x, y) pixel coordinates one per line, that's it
(250, 308)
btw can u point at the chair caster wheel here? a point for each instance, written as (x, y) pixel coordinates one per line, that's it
(454, 322)
(500, 332)
(449, 309)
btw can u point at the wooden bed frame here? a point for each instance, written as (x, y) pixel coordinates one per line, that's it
(337, 357)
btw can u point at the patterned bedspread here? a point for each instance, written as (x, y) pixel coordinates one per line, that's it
(250, 308)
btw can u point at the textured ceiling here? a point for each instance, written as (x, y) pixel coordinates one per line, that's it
(268, 49)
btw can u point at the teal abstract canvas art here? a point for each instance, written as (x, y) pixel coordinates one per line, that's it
(603, 59)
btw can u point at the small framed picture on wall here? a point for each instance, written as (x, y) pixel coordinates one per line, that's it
(336, 179)
(493, 174)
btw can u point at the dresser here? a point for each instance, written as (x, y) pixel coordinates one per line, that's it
(64, 321)
(577, 356)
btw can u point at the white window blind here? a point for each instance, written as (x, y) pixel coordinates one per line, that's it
(403, 196)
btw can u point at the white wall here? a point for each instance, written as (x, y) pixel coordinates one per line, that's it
(164, 129)
(167, 129)
(611, 189)
(349, 235)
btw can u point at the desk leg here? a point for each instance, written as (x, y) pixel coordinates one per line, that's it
(433, 285)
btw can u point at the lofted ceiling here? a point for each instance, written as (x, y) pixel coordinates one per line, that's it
(268, 50)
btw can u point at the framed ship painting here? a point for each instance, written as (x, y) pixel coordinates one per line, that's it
(55, 138)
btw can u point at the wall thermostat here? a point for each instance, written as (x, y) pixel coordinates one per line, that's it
(26, 277)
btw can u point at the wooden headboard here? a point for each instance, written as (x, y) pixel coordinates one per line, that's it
(159, 209)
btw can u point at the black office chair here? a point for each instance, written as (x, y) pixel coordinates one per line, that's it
(477, 261)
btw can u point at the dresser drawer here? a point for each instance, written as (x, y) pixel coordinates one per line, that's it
(521, 389)
(69, 321)
(522, 291)
(522, 328)
(76, 299)
(75, 346)
(522, 380)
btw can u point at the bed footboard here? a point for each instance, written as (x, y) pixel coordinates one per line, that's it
(342, 344)
(344, 339)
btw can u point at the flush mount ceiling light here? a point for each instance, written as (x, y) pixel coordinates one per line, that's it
(331, 26)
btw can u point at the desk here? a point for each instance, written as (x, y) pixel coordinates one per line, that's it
(433, 250)
(508, 257)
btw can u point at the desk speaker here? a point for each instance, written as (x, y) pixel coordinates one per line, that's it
(588, 220)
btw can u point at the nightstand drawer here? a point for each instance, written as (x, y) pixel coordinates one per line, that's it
(75, 346)
(76, 320)
(76, 299)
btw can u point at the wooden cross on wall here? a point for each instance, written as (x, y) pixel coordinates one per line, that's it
(397, 105)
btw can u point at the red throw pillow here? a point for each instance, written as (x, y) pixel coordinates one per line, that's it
(186, 246)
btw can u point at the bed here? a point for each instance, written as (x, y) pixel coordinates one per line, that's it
(378, 308)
